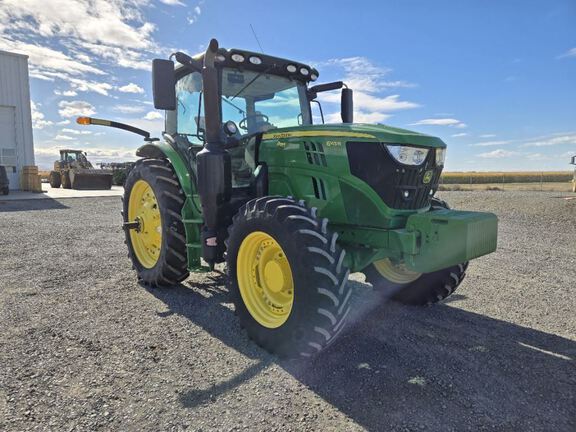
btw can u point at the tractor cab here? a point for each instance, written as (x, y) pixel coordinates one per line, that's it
(70, 158)
(252, 94)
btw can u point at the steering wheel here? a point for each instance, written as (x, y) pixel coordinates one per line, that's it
(244, 126)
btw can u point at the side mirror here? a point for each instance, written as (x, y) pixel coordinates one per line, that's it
(164, 84)
(347, 106)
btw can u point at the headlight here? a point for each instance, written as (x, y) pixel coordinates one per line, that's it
(440, 156)
(291, 68)
(408, 155)
(238, 58)
(304, 71)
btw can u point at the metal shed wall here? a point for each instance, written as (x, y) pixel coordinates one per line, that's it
(15, 97)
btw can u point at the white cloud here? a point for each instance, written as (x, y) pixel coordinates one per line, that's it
(367, 80)
(131, 88)
(63, 138)
(153, 115)
(557, 139)
(497, 154)
(451, 122)
(76, 131)
(76, 108)
(570, 53)
(487, 136)
(196, 12)
(44, 61)
(90, 86)
(490, 143)
(38, 120)
(68, 93)
(129, 109)
(368, 108)
(116, 23)
(461, 134)
(172, 2)
(362, 75)
(123, 57)
(359, 117)
(73, 32)
(536, 156)
(63, 122)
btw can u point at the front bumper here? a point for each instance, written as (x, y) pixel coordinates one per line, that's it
(429, 242)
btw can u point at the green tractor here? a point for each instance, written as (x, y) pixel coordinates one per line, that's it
(244, 176)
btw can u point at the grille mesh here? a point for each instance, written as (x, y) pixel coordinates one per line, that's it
(373, 163)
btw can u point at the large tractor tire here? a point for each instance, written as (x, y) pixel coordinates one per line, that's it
(286, 277)
(157, 247)
(55, 179)
(66, 182)
(417, 289)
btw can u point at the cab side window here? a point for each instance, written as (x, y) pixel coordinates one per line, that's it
(190, 110)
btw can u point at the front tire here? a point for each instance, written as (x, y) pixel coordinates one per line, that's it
(153, 198)
(403, 286)
(286, 277)
(55, 179)
(429, 288)
(66, 182)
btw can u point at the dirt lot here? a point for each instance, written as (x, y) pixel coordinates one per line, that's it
(84, 347)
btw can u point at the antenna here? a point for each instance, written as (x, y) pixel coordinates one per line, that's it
(256, 37)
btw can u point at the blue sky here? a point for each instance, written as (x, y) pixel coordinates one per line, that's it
(495, 79)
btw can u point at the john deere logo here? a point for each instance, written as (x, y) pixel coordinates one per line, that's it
(427, 177)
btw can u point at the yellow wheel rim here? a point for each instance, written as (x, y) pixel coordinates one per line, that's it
(147, 239)
(396, 273)
(265, 279)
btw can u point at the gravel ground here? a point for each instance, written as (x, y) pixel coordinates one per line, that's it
(84, 347)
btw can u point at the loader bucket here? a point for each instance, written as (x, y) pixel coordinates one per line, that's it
(91, 179)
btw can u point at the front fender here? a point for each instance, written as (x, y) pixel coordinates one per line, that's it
(163, 150)
(191, 210)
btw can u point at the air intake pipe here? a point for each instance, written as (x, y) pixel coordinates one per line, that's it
(213, 165)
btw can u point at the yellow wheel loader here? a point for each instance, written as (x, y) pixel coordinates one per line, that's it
(74, 171)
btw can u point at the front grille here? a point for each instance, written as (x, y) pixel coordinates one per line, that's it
(372, 163)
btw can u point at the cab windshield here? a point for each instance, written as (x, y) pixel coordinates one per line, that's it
(256, 102)
(259, 102)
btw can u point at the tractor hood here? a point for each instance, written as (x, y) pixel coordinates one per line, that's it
(357, 132)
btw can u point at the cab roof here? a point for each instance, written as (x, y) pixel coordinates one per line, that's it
(268, 64)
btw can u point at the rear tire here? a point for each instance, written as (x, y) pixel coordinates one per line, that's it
(55, 179)
(321, 298)
(66, 182)
(169, 260)
(427, 289)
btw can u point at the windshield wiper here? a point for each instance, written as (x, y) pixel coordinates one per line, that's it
(253, 79)
(240, 110)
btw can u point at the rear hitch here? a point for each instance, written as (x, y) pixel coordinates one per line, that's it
(135, 225)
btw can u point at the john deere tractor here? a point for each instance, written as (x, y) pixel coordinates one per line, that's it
(246, 175)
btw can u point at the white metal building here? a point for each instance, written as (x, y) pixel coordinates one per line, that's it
(16, 144)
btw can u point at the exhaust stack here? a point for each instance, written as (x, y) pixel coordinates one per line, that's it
(213, 164)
